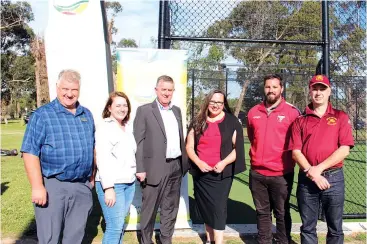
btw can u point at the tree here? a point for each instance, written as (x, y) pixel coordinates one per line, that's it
(127, 43)
(39, 54)
(349, 59)
(112, 9)
(16, 63)
(269, 20)
(15, 33)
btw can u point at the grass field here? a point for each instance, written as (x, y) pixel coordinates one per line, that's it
(18, 216)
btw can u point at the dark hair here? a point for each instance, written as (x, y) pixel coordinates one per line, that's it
(274, 76)
(164, 78)
(199, 122)
(106, 113)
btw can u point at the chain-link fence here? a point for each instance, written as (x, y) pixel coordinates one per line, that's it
(233, 44)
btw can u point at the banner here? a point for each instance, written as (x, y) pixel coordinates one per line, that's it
(137, 73)
(75, 39)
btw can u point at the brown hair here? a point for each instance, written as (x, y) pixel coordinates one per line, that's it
(274, 76)
(106, 113)
(199, 122)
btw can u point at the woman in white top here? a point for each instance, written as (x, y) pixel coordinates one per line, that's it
(116, 167)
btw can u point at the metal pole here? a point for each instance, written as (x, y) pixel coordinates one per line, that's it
(226, 70)
(325, 38)
(326, 64)
(283, 72)
(166, 26)
(193, 95)
(160, 25)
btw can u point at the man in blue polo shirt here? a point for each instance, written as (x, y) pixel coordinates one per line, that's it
(58, 155)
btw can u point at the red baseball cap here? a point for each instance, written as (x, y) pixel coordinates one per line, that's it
(319, 79)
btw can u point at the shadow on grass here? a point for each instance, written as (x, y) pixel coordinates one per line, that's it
(4, 187)
(94, 219)
(91, 231)
(237, 213)
(30, 233)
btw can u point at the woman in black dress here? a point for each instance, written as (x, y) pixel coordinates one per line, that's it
(215, 148)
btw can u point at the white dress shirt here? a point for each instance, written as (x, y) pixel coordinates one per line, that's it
(172, 132)
(115, 153)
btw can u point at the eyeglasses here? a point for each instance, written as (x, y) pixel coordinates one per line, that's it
(212, 103)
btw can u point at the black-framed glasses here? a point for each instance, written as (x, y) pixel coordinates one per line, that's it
(216, 103)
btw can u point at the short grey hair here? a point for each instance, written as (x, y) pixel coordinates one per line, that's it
(69, 75)
(164, 78)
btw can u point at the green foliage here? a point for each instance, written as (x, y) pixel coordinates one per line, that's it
(113, 8)
(17, 65)
(15, 33)
(127, 42)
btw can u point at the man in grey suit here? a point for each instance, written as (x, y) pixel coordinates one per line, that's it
(161, 160)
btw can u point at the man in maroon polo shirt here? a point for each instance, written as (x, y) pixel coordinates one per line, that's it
(272, 166)
(321, 140)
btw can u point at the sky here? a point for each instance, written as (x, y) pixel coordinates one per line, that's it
(138, 20)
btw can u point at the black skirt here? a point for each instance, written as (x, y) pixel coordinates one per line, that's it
(211, 194)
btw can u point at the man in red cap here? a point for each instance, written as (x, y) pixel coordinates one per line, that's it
(320, 141)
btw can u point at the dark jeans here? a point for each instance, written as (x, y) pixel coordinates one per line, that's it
(272, 193)
(332, 199)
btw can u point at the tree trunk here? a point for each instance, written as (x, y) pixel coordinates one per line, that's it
(17, 109)
(37, 73)
(241, 98)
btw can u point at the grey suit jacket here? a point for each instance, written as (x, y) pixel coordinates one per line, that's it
(150, 137)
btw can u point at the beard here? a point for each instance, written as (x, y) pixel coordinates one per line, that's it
(271, 100)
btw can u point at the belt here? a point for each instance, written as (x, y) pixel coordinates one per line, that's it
(168, 160)
(330, 171)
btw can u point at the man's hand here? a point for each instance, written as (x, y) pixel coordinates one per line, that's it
(321, 182)
(39, 195)
(314, 172)
(204, 167)
(110, 197)
(141, 176)
(219, 167)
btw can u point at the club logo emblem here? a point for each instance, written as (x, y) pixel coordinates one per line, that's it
(331, 120)
(280, 118)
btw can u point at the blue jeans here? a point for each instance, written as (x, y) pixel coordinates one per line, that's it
(115, 216)
(332, 200)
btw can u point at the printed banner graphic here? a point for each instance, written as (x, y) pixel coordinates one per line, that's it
(74, 39)
(137, 73)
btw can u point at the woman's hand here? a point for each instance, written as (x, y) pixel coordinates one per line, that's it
(110, 197)
(204, 167)
(219, 167)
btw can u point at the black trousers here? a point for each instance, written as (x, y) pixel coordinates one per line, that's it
(272, 193)
(166, 196)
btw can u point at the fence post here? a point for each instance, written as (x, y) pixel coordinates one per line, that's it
(226, 70)
(164, 25)
(193, 94)
(325, 38)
